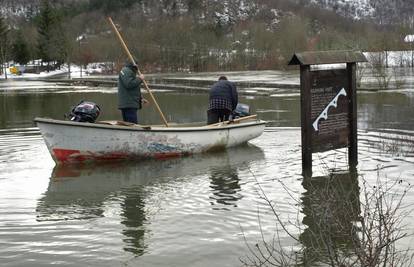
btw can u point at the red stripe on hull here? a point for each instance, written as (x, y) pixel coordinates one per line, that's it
(63, 155)
(73, 156)
(68, 155)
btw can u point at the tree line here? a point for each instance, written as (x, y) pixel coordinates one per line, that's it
(189, 35)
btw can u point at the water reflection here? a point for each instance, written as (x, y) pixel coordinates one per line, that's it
(225, 186)
(85, 192)
(224, 178)
(133, 214)
(331, 207)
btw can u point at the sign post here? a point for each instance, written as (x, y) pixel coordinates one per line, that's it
(328, 104)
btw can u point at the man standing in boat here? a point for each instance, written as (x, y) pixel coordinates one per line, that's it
(129, 92)
(222, 101)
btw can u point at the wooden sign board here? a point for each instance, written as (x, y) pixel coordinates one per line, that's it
(329, 109)
(328, 104)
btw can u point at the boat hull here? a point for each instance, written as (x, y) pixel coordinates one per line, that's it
(69, 141)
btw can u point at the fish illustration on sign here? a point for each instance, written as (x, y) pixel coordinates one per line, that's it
(324, 113)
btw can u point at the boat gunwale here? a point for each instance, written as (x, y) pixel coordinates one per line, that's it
(152, 129)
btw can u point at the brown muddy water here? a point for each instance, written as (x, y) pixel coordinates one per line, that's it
(202, 210)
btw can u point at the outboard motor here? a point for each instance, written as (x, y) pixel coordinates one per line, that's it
(85, 111)
(241, 110)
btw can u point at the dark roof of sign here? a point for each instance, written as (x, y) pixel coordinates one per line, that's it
(327, 57)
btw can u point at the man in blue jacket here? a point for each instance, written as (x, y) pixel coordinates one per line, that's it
(129, 92)
(222, 101)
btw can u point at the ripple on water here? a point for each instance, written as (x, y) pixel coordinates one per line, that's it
(193, 211)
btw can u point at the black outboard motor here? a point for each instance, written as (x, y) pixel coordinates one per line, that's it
(241, 110)
(85, 111)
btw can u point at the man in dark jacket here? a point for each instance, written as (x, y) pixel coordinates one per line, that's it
(222, 101)
(129, 92)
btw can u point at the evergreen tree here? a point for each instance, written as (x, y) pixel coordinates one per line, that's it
(3, 43)
(45, 24)
(20, 50)
(52, 39)
(111, 6)
(60, 44)
(3, 27)
(194, 6)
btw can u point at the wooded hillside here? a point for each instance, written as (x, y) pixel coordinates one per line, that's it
(199, 35)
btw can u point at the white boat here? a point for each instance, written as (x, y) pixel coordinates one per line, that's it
(70, 141)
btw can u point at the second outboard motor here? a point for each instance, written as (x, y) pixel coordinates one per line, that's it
(241, 110)
(85, 111)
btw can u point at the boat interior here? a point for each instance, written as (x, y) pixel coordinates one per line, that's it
(174, 124)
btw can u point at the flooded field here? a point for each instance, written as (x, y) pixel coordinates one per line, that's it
(202, 210)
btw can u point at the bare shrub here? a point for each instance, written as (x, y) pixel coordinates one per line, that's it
(344, 225)
(379, 70)
(400, 146)
(385, 77)
(381, 226)
(399, 81)
(360, 73)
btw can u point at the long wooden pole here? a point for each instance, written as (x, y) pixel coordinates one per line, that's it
(139, 72)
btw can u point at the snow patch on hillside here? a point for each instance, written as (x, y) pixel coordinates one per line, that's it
(356, 9)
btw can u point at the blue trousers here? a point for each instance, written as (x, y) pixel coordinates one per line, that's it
(130, 115)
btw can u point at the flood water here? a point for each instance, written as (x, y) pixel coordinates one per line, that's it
(202, 210)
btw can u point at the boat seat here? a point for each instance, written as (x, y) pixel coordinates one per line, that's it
(124, 123)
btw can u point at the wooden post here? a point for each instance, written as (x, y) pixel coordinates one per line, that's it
(305, 103)
(353, 127)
